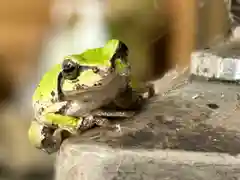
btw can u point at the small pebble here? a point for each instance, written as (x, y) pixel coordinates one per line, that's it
(196, 96)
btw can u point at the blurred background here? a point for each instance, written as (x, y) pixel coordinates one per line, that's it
(34, 35)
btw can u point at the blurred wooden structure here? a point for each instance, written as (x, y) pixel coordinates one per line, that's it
(22, 26)
(182, 24)
(162, 33)
(196, 24)
(151, 28)
(234, 7)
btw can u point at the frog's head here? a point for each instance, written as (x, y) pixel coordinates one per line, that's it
(39, 139)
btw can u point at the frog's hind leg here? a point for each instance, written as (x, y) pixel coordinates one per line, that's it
(52, 140)
(92, 121)
(61, 134)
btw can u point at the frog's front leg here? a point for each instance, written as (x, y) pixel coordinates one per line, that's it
(101, 119)
(134, 99)
(149, 91)
(141, 95)
(128, 100)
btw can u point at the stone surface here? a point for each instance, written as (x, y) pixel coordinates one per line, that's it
(102, 163)
(159, 142)
(220, 62)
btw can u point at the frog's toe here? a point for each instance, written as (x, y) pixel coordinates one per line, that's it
(109, 113)
(148, 91)
(51, 143)
(118, 128)
(102, 122)
(114, 128)
(151, 91)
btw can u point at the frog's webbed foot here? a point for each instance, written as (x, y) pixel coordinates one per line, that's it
(103, 118)
(102, 122)
(149, 91)
(50, 145)
(137, 98)
(106, 124)
(114, 114)
(91, 121)
(52, 142)
(129, 100)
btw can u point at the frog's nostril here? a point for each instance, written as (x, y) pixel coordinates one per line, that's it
(95, 70)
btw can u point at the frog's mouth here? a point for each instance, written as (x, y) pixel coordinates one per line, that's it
(94, 97)
(110, 81)
(107, 88)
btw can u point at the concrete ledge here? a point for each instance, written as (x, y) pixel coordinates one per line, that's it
(183, 119)
(103, 163)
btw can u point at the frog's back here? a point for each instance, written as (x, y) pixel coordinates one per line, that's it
(97, 56)
(48, 85)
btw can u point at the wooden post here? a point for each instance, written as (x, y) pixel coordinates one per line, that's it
(182, 25)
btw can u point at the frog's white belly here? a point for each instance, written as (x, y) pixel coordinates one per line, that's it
(85, 101)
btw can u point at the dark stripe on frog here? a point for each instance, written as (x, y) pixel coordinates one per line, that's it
(96, 70)
(59, 86)
(47, 131)
(64, 108)
(121, 52)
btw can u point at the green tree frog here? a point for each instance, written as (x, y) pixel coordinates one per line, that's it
(54, 116)
(69, 96)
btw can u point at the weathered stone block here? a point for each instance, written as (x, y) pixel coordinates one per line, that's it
(159, 142)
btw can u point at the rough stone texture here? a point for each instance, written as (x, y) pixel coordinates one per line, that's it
(104, 163)
(219, 62)
(191, 131)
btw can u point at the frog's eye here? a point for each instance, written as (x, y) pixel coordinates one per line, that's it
(70, 69)
(68, 65)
